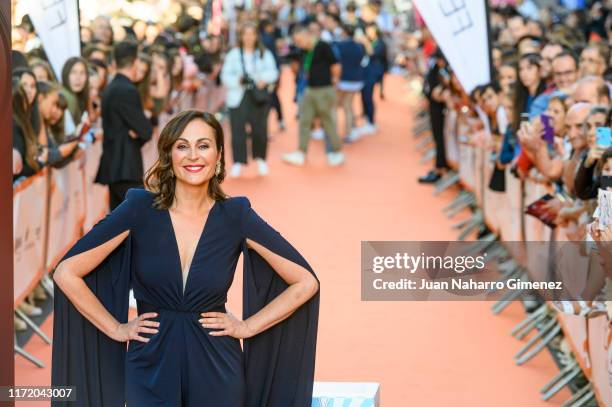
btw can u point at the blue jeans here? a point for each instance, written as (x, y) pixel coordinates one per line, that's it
(367, 94)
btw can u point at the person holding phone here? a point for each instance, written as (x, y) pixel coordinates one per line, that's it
(585, 182)
(57, 151)
(546, 147)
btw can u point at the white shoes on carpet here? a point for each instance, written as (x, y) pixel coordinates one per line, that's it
(335, 158)
(296, 157)
(262, 168)
(235, 170)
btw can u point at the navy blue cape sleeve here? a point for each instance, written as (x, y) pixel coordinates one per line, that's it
(280, 361)
(83, 356)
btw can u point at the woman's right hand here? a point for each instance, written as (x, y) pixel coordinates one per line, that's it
(130, 331)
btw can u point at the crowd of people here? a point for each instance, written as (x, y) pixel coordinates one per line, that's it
(546, 111)
(128, 76)
(546, 116)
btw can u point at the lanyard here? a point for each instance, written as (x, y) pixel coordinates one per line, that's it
(308, 59)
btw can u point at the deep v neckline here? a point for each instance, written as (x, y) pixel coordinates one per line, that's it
(177, 250)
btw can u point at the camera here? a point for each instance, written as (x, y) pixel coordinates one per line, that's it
(247, 82)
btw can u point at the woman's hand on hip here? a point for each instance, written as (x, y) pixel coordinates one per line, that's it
(131, 330)
(227, 324)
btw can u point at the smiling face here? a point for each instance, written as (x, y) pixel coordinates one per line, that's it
(195, 154)
(574, 125)
(565, 72)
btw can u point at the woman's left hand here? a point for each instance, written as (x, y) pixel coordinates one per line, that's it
(227, 323)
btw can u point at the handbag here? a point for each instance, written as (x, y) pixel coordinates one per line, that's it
(498, 180)
(260, 96)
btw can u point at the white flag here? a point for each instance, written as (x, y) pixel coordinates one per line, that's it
(460, 29)
(57, 25)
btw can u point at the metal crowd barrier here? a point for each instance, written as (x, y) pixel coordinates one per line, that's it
(588, 369)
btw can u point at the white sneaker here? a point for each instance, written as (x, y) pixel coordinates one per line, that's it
(354, 135)
(368, 128)
(235, 170)
(318, 134)
(335, 158)
(262, 167)
(296, 157)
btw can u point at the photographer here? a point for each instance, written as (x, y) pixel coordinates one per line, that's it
(248, 73)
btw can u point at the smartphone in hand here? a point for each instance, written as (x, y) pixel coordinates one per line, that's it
(524, 124)
(549, 131)
(603, 137)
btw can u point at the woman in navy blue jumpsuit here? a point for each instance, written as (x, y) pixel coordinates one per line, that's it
(183, 364)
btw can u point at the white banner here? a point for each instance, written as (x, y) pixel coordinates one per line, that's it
(29, 231)
(66, 212)
(460, 29)
(57, 25)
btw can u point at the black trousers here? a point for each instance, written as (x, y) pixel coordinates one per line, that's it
(436, 115)
(256, 115)
(275, 103)
(119, 189)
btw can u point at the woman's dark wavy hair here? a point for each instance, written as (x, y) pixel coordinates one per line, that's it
(160, 179)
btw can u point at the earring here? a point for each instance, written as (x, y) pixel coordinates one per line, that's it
(218, 168)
